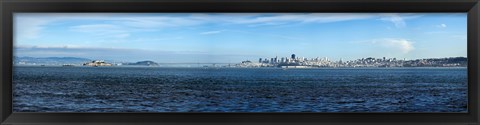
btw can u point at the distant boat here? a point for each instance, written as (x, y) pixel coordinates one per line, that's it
(68, 65)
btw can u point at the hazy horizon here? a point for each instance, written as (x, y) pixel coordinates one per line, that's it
(224, 62)
(236, 37)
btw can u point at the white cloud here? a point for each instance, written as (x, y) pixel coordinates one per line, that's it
(441, 25)
(398, 19)
(211, 32)
(155, 22)
(94, 27)
(402, 45)
(29, 27)
(303, 18)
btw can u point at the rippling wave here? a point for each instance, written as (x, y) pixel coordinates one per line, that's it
(145, 89)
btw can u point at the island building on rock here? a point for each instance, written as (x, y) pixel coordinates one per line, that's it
(97, 63)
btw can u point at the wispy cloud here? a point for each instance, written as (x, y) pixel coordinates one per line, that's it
(75, 51)
(279, 19)
(398, 19)
(405, 46)
(156, 22)
(155, 39)
(212, 32)
(399, 45)
(30, 25)
(441, 25)
(104, 30)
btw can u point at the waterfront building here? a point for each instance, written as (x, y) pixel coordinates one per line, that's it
(302, 62)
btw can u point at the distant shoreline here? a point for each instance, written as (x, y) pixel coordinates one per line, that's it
(57, 66)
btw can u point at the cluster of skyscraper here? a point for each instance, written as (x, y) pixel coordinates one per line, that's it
(294, 61)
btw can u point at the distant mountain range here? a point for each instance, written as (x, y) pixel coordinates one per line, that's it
(49, 60)
(142, 63)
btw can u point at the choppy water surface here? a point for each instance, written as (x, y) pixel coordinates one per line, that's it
(144, 89)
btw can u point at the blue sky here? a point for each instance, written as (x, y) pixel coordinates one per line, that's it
(233, 37)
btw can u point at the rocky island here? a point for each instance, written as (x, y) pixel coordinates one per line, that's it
(97, 63)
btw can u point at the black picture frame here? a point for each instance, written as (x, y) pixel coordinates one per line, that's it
(8, 7)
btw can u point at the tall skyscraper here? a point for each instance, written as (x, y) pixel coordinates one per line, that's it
(293, 56)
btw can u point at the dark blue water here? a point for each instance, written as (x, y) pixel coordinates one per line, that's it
(143, 89)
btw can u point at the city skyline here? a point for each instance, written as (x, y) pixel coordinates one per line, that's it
(277, 61)
(230, 38)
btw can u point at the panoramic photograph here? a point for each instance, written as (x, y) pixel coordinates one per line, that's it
(240, 62)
